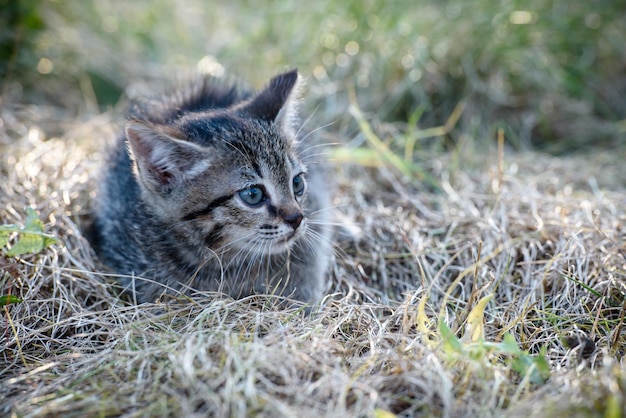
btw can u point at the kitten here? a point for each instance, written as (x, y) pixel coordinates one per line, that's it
(210, 189)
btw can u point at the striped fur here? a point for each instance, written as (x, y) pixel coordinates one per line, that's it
(177, 209)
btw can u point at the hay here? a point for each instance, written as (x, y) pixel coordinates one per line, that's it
(543, 235)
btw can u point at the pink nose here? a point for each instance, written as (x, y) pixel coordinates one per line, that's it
(294, 219)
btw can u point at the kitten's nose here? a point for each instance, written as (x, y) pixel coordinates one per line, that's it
(294, 219)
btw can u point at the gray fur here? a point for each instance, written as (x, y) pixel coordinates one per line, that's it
(169, 217)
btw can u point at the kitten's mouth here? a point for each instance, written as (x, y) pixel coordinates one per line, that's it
(280, 241)
(282, 244)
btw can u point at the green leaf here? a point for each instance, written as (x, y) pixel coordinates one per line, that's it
(541, 373)
(381, 413)
(451, 342)
(4, 238)
(8, 299)
(613, 407)
(31, 238)
(524, 363)
(536, 366)
(509, 345)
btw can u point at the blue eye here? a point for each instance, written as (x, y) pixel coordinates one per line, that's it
(252, 196)
(298, 185)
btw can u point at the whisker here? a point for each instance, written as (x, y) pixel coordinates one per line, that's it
(246, 156)
(235, 257)
(314, 240)
(319, 154)
(307, 120)
(319, 128)
(315, 212)
(315, 146)
(323, 145)
(330, 225)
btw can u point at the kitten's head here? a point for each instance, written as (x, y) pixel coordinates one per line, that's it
(226, 178)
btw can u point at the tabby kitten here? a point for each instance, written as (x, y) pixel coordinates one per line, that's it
(210, 189)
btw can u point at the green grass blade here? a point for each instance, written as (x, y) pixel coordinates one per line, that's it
(9, 299)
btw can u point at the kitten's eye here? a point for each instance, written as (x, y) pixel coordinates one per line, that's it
(253, 196)
(298, 185)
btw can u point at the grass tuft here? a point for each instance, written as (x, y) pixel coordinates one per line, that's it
(471, 299)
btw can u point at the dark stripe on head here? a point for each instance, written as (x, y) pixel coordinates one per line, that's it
(214, 236)
(208, 209)
(251, 157)
(272, 210)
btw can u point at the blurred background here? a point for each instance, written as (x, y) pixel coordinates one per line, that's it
(551, 73)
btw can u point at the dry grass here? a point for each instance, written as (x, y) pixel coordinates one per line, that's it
(543, 236)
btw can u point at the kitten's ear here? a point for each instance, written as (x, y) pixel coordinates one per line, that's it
(278, 102)
(162, 161)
